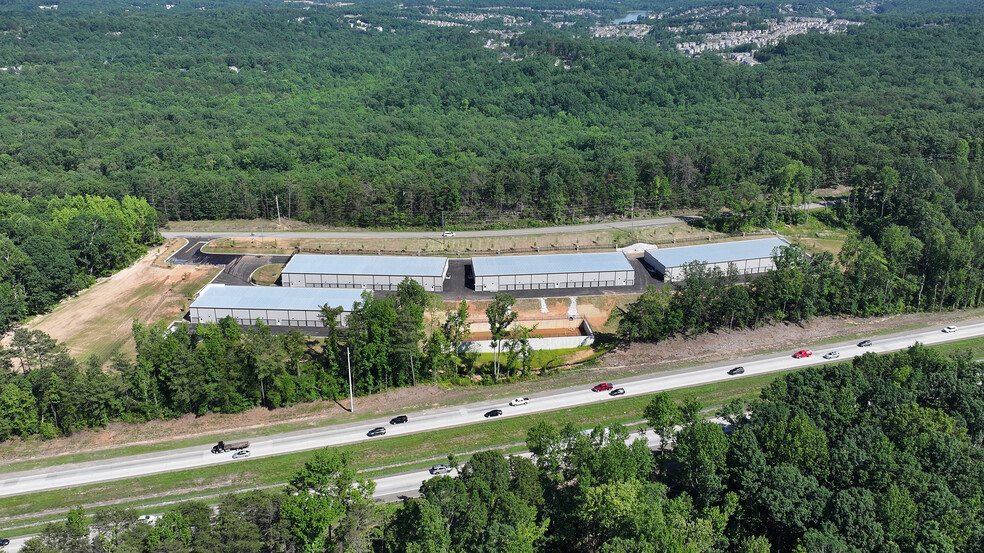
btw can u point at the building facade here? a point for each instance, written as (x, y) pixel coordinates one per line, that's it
(364, 272)
(750, 257)
(554, 271)
(274, 305)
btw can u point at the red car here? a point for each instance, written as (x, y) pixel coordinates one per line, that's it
(604, 386)
(802, 353)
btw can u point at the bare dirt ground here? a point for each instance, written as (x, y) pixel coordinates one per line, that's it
(637, 359)
(740, 343)
(98, 320)
(466, 246)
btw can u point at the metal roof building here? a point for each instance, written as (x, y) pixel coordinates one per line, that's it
(750, 257)
(369, 272)
(273, 305)
(535, 272)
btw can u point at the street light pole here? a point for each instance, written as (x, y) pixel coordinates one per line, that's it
(351, 392)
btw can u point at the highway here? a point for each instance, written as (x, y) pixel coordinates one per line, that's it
(70, 475)
(663, 221)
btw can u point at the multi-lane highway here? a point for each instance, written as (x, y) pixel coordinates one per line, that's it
(69, 475)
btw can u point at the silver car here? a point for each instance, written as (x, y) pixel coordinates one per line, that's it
(831, 355)
(440, 469)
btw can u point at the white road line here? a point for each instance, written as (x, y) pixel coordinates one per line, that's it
(71, 475)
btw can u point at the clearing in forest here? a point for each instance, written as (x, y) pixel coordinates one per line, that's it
(98, 320)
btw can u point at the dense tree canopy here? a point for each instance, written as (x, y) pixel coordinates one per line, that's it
(213, 114)
(52, 247)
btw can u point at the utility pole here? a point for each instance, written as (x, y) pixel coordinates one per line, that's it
(632, 213)
(413, 371)
(351, 392)
(277, 198)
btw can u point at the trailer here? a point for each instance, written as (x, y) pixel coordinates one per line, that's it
(222, 447)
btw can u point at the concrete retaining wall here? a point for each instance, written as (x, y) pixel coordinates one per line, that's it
(586, 337)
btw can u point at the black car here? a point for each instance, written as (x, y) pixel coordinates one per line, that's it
(493, 413)
(378, 431)
(864, 343)
(617, 392)
(737, 370)
(4, 541)
(399, 420)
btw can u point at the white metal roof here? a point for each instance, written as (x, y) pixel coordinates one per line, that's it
(724, 252)
(220, 296)
(552, 263)
(384, 265)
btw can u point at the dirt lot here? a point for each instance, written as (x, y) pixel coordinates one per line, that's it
(638, 359)
(97, 321)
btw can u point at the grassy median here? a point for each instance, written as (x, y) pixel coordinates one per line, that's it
(375, 457)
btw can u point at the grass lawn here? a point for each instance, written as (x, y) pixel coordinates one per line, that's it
(267, 275)
(822, 233)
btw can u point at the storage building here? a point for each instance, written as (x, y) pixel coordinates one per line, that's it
(369, 272)
(750, 257)
(273, 305)
(538, 272)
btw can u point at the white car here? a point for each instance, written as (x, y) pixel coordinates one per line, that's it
(831, 355)
(241, 454)
(519, 401)
(949, 329)
(447, 234)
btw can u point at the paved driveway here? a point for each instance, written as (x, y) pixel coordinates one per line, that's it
(238, 268)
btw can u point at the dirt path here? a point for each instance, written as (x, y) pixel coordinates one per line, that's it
(638, 359)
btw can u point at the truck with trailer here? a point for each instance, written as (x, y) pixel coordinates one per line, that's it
(222, 447)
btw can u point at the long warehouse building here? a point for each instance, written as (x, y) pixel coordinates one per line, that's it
(368, 272)
(750, 257)
(274, 305)
(538, 272)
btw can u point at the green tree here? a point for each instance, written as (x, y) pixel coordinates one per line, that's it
(663, 415)
(500, 317)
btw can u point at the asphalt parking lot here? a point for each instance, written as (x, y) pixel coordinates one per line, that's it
(238, 268)
(460, 285)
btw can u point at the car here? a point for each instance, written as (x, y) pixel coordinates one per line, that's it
(440, 469)
(864, 343)
(493, 413)
(604, 386)
(4, 541)
(447, 234)
(617, 392)
(831, 355)
(241, 454)
(519, 401)
(949, 329)
(802, 353)
(737, 370)
(149, 519)
(378, 431)
(399, 420)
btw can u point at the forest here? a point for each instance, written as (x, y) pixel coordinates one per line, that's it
(215, 114)
(52, 247)
(880, 455)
